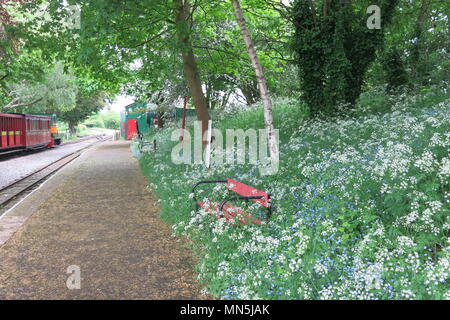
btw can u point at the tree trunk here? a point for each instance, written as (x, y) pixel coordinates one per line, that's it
(326, 7)
(267, 103)
(225, 99)
(415, 55)
(72, 127)
(161, 120)
(190, 63)
(2, 37)
(312, 7)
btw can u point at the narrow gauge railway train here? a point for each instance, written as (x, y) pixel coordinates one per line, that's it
(24, 132)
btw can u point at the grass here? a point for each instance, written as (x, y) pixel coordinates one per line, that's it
(361, 206)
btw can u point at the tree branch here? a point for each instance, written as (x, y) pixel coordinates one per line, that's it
(4, 77)
(221, 50)
(312, 7)
(151, 39)
(13, 104)
(326, 6)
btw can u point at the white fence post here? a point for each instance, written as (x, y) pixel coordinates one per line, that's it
(208, 145)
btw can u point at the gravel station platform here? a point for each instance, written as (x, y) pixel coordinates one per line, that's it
(17, 167)
(97, 214)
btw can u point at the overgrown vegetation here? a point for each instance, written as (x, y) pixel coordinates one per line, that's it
(109, 120)
(334, 49)
(362, 206)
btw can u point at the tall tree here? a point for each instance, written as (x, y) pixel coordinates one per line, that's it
(86, 105)
(56, 90)
(140, 45)
(417, 35)
(267, 102)
(183, 27)
(119, 39)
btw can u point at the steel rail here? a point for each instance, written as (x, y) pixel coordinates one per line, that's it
(20, 186)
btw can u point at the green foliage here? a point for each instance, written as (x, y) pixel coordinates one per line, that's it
(28, 67)
(419, 33)
(111, 119)
(334, 51)
(133, 45)
(94, 121)
(54, 92)
(377, 100)
(396, 75)
(86, 105)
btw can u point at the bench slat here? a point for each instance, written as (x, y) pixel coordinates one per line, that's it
(247, 191)
(230, 212)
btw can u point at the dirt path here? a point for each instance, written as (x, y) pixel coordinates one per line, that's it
(102, 219)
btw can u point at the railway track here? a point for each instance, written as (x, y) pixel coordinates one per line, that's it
(20, 187)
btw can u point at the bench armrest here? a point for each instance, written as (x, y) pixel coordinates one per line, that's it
(205, 182)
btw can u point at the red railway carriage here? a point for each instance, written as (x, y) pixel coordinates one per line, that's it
(20, 131)
(11, 129)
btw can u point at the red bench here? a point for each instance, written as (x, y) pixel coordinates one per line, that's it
(230, 212)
